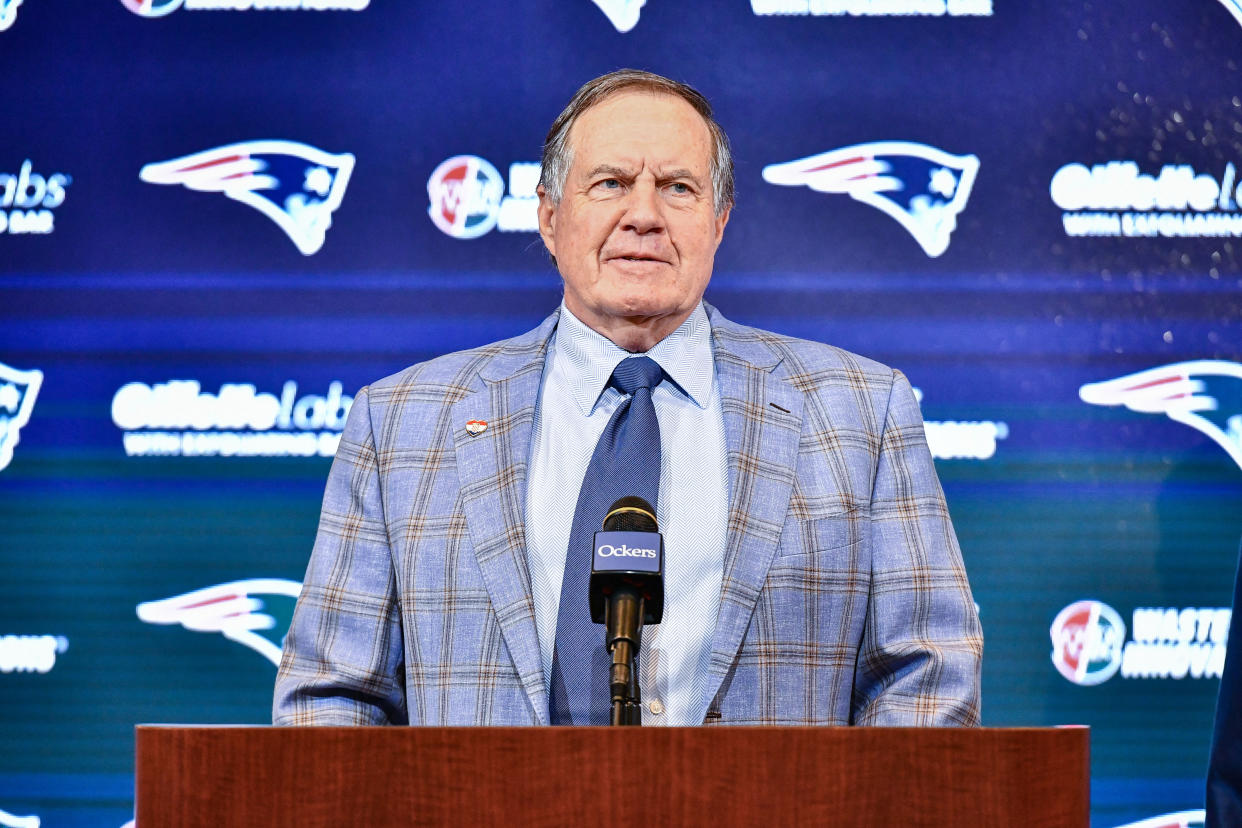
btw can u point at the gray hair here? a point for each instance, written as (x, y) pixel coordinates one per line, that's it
(558, 154)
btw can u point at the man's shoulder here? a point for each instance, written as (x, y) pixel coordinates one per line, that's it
(452, 375)
(807, 364)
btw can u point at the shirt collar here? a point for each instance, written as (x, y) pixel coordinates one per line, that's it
(589, 358)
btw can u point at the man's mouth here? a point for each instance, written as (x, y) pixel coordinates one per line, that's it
(636, 259)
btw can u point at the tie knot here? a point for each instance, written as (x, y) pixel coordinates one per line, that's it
(634, 373)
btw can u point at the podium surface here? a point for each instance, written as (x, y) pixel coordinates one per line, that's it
(636, 776)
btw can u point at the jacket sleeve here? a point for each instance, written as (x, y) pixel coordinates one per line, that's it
(342, 662)
(922, 646)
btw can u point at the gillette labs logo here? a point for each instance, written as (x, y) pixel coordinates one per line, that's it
(1116, 199)
(159, 8)
(467, 196)
(27, 200)
(179, 419)
(874, 8)
(1089, 646)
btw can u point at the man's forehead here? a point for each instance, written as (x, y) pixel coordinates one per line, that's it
(637, 128)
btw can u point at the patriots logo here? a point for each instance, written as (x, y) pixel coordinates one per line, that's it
(229, 609)
(1181, 819)
(922, 187)
(621, 13)
(8, 13)
(295, 185)
(18, 390)
(1234, 6)
(13, 821)
(1204, 394)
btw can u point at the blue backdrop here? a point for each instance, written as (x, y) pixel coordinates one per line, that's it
(219, 220)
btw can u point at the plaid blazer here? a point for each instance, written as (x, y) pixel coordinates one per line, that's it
(844, 599)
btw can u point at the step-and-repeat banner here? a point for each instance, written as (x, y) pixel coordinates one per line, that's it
(219, 219)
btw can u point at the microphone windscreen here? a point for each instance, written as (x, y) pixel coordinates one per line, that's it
(631, 514)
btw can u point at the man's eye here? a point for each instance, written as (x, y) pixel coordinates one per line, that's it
(610, 183)
(680, 188)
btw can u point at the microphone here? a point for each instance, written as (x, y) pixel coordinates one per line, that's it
(626, 590)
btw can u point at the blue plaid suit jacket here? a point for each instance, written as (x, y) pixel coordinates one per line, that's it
(844, 598)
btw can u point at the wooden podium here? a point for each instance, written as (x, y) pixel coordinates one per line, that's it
(637, 777)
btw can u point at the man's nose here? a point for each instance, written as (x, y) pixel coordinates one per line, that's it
(643, 213)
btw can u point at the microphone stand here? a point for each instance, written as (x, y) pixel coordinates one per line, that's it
(624, 622)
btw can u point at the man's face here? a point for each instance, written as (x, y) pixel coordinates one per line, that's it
(636, 232)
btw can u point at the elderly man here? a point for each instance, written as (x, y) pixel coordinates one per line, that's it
(812, 573)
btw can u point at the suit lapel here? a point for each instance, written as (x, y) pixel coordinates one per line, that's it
(763, 422)
(492, 467)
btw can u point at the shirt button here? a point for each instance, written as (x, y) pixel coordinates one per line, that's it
(655, 707)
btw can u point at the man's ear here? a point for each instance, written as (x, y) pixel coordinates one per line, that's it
(547, 221)
(721, 221)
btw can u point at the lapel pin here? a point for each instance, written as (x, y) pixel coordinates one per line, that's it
(476, 426)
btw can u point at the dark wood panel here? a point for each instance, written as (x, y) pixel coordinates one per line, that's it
(254, 776)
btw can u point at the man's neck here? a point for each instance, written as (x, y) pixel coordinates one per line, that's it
(637, 334)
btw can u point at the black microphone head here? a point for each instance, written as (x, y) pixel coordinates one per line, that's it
(631, 514)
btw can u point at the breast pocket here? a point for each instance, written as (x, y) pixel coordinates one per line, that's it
(817, 587)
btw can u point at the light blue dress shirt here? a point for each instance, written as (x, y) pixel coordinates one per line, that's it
(574, 406)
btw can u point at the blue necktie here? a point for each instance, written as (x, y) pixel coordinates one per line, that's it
(626, 462)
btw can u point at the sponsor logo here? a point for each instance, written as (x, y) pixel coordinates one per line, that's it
(1181, 819)
(1203, 394)
(31, 653)
(159, 8)
(179, 419)
(962, 439)
(18, 390)
(27, 199)
(623, 551)
(1086, 642)
(230, 609)
(1166, 642)
(623, 14)
(467, 196)
(921, 187)
(295, 185)
(1116, 199)
(8, 16)
(13, 821)
(1173, 642)
(874, 8)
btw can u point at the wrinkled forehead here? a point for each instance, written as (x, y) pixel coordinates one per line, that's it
(641, 127)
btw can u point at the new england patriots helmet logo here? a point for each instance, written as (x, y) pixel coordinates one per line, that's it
(1181, 819)
(295, 185)
(623, 14)
(18, 390)
(8, 13)
(922, 187)
(13, 821)
(1204, 394)
(1234, 6)
(230, 609)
